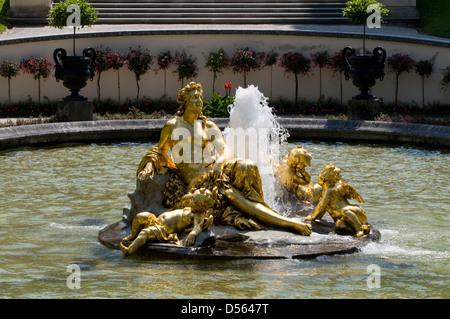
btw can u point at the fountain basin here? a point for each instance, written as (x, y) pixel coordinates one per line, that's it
(319, 129)
(299, 128)
(230, 243)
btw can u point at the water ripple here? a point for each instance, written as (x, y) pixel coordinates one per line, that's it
(49, 193)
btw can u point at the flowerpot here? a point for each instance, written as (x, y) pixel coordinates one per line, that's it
(74, 71)
(364, 70)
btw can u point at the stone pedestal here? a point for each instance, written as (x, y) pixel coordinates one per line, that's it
(29, 8)
(74, 111)
(362, 109)
(147, 197)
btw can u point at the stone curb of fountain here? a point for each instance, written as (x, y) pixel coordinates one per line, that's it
(369, 131)
(299, 129)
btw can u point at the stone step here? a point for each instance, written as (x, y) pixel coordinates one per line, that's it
(219, 11)
(201, 14)
(214, 8)
(222, 20)
(219, 1)
(266, 10)
(216, 5)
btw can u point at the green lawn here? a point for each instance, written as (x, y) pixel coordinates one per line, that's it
(435, 15)
(4, 5)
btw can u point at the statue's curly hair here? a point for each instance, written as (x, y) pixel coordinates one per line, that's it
(202, 199)
(298, 150)
(183, 96)
(330, 173)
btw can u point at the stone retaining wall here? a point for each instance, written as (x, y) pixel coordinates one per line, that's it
(199, 42)
(299, 129)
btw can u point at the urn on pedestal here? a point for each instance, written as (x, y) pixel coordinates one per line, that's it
(74, 71)
(364, 69)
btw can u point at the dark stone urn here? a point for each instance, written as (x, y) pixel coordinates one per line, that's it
(364, 70)
(74, 71)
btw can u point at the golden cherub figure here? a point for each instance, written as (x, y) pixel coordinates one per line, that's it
(294, 177)
(349, 218)
(146, 227)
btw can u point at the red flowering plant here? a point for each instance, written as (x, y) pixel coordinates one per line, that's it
(102, 64)
(216, 62)
(399, 63)
(337, 64)
(424, 68)
(105, 60)
(164, 61)
(270, 59)
(246, 60)
(228, 87)
(117, 62)
(9, 70)
(295, 62)
(218, 105)
(39, 68)
(139, 62)
(186, 66)
(320, 60)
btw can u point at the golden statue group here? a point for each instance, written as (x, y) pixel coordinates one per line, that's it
(209, 185)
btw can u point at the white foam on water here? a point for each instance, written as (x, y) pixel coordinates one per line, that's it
(75, 227)
(388, 249)
(254, 133)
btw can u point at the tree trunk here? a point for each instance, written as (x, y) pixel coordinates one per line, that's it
(296, 91)
(118, 85)
(73, 41)
(320, 83)
(165, 83)
(271, 71)
(9, 91)
(138, 89)
(396, 88)
(39, 90)
(364, 40)
(98, 87)
(340, 80)
(423, 91)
